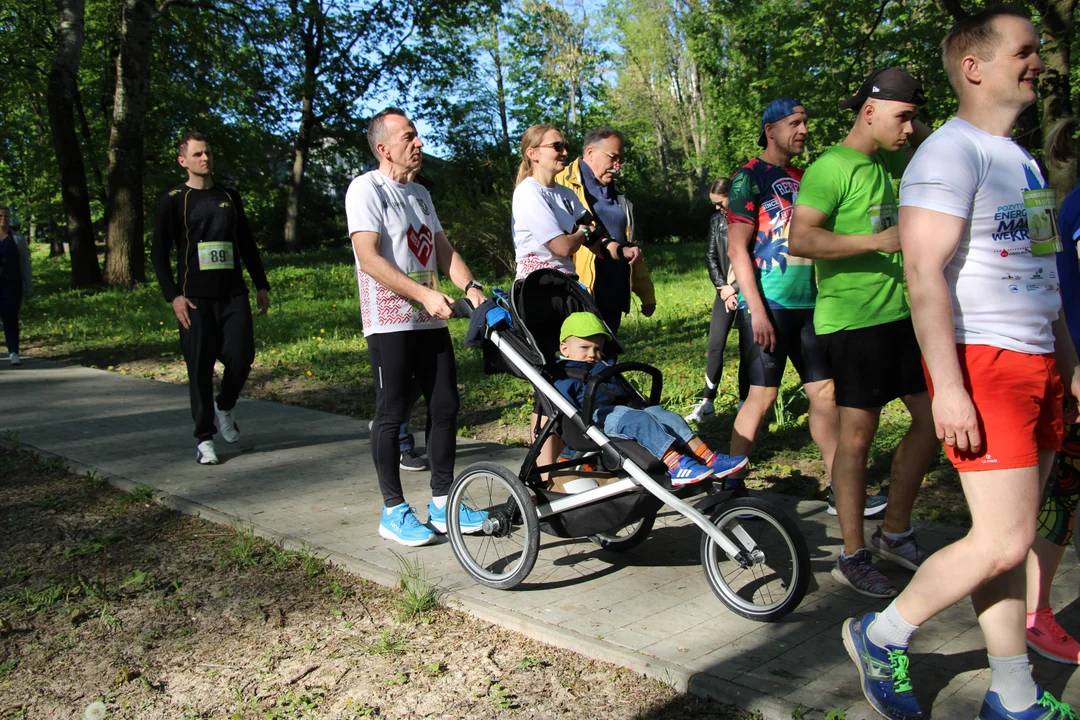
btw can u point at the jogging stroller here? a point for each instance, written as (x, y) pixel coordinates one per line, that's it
(755, 559)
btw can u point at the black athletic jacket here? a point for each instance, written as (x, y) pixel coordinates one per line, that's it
(188, 216)
(716, 256)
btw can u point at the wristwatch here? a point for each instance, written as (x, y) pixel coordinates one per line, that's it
(474, 284)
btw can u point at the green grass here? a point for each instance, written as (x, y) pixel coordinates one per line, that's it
(313, 337)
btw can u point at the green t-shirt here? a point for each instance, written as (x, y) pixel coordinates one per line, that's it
(856, 192)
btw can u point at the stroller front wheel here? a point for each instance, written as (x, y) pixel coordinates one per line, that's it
(502, 554)
(770, 575)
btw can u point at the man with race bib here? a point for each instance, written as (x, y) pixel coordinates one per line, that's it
(207, 225)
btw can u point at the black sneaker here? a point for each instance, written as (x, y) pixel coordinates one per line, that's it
(413, 462)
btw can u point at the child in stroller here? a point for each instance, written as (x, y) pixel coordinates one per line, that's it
(663, 433)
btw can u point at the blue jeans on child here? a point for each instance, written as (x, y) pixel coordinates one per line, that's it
(654, 428)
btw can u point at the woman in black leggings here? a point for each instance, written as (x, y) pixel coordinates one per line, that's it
(723, 312)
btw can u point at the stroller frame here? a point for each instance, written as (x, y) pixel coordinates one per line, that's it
(636, 487)
(638, 477)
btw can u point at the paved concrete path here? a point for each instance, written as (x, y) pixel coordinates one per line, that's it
(302, 475)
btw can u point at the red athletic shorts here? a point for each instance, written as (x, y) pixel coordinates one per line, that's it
(1017, 399)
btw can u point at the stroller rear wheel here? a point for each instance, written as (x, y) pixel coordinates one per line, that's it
(503, 553)
(628, 536)
(769, 577)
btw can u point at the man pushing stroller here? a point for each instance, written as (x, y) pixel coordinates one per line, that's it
(663, 433)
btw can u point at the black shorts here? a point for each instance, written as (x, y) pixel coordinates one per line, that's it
(875, 365)
(795, 339)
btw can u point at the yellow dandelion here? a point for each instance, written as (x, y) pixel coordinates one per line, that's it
(309, 373)
(322, 330)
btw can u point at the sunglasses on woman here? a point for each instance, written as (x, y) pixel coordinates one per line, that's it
(560, 146)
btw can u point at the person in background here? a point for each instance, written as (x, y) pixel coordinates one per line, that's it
(776, 289)
(206, 224)
(845, 221)
(610, 280)
(724, 304)
(550, 224)
(16, 282)
(1057, 517)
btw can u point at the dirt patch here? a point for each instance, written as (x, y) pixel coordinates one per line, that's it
(110, 598)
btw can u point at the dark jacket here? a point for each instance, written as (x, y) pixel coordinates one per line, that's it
(570, 378)
(716, 256)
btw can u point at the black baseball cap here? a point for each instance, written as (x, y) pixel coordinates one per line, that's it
(891, 83)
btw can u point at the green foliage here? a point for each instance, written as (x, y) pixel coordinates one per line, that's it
(418, 597)
(389, 643)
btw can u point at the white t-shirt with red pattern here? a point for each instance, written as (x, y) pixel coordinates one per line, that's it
(404, 216)
(541, 214)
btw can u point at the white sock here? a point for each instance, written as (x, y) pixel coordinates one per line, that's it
(1010, 678)
(897, 537)
(439, 501)
(397, 507)
(890, 630)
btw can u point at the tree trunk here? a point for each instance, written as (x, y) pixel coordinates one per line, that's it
(312, 34)
(1054, 86)
(125, 258)
(60, 97)
(500, 88)
(296, 176)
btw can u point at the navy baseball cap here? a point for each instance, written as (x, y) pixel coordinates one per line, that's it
(777, 110)
(891, 83)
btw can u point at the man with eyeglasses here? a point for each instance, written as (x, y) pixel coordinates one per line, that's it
(610, 280)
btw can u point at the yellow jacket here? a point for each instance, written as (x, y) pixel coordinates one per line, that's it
(641, 283)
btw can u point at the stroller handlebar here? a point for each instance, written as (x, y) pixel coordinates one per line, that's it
(655, 391)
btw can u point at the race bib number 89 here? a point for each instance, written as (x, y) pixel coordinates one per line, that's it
(216, 256)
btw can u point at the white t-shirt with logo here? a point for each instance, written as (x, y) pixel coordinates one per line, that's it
(541, 214)
(1002, 294)
(404, 216)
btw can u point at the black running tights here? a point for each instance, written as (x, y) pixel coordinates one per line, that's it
(398, 359)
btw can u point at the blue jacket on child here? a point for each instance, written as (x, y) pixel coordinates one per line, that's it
(614, 391)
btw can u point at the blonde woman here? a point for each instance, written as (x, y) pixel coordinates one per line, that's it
(549, 223)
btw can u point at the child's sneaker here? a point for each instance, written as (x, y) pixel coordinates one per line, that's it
(400, 525)
(1050, 640)
(882, 670)
(724, 465)
(689, 471)
(1045, 708)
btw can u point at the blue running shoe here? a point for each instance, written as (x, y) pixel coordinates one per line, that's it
(472, 521)
(883, 671)
(400, 525)
(1045, 708)
(689, 471)
(724, 465)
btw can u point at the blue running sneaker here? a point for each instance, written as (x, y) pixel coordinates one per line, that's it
(689, 471)
(400, 525)
(883, 671)
(472, 521)
(724, 465)
(1045, 708)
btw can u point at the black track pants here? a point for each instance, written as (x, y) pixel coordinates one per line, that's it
(399, 359)
(221, 329)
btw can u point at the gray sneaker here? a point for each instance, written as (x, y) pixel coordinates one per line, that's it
(859, 574)
(907, 553)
